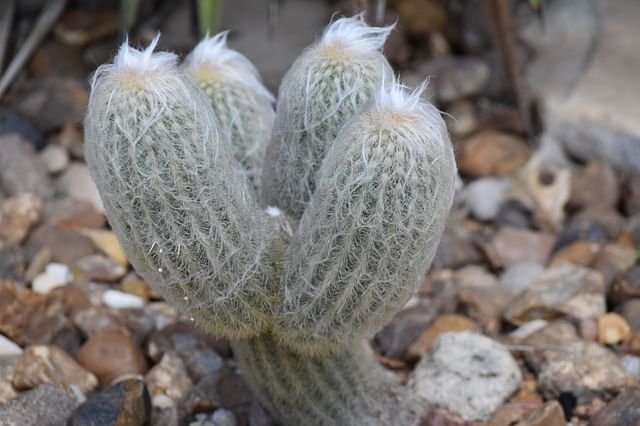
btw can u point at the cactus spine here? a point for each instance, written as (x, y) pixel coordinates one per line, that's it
(295, 300)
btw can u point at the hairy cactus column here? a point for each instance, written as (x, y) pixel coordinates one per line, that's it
(323, 89)
(175, 197)
(241, 104)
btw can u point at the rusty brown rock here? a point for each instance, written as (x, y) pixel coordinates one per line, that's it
(17, 215)
(595, 185)
(550, 414)
(442, 324)
(511, 245)
(581, 253)
(492, 153)
(110, 354)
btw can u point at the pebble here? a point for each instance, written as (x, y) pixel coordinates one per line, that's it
(13, 261)
(125, 403)
(101, 268)
(76, 182)
(440, 417)
(466, 373)
(18, 214)
(623, 410)
(442, 324)
(550, 414)
(55, 158)
(110, 354)
(120, 300)
(202, 397)
(41, 364)
(71, 213)
(394, 339)
(517, 277)
(224, 417)
(65, 245)
(615, 260)
(613, 329)
(21, 169)
(46, 405)
(595, 185)
(462, 118)
(630, 311)
(584, 369)
(55, 275)
(568, 290)
(168, 381)
(493, 153)
(94, 319)
(8, 347)
(514, 245)
(631, 363)
(7, 369)
(107, 243)
(581, 253)
(16, 123)
(554, 335)
(485, 196)
(451, 78)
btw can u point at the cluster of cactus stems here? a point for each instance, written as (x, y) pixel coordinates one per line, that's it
(295, 233)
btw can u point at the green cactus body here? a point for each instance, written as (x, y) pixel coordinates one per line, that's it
(321, 91)
(296, 300)
(241, 104)
(347, 388)
(373, 224)
(178, 202)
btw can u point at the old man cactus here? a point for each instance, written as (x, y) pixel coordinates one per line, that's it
(296, 243)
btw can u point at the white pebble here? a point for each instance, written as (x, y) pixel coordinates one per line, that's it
(8, 347)
(55, 158)
(55, 275)
(222, 417)
(120, 300)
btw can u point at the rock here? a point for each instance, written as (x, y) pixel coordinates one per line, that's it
(462, 118)
(394, 339)
(568, 290)
(72, 138)
(440, 417)
(46, 62)
(100, 268)
(554, 335)
(627, 285)
(119, 300)
(527, 329)
(589, 232)
(47, 405)
(632, 365)
(37, 265)
(12, 122)
(110, 354)
(443, 324)
(547, 189)
(7, 369)
(52, 102)
(55, 275)
(466, 373)
(607, 217)
(8, 347)
(595, 185)
(94, 319)
(76, 182)
(613, 260)
(623, 410)
(584, 369)
(201, 398)
(125, 403)
(588, 329)
(513, 245)
(507, 415)
(513, 213)
(451, 78)
(107, 243)
(580, 253)
(66, 246)
(484, 197)
(55, 158)
(135, 285)
(223, 417)
(630, 311)
(168, 381)
(196, 350)
(422, 17)
(20, 168)
(162, 313)
(632, 196)
(517, 277)
(27, 317)
(550, 414)
(71, 213)
(612, 329)
(138, 322)
(41, 364)
(12, 263)
(17, 215)
(492, 153)
(79, 27)
(485, 304)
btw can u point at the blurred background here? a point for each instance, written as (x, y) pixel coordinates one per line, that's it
(541, 98)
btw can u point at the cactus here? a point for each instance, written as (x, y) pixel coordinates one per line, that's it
(364, 166)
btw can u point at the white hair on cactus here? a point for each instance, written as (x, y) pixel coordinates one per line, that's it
(213, 53)
(354, 35)
(396, 96)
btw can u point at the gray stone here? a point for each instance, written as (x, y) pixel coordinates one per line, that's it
(517, 277)
(76, 182)
(21, 170)
(55, 158)
(484, 196)
(47, 405)
(467, 373)
(223, 417)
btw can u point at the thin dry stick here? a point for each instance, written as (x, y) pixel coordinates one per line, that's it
(501, 25)
(46, 20)
(7, 7)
